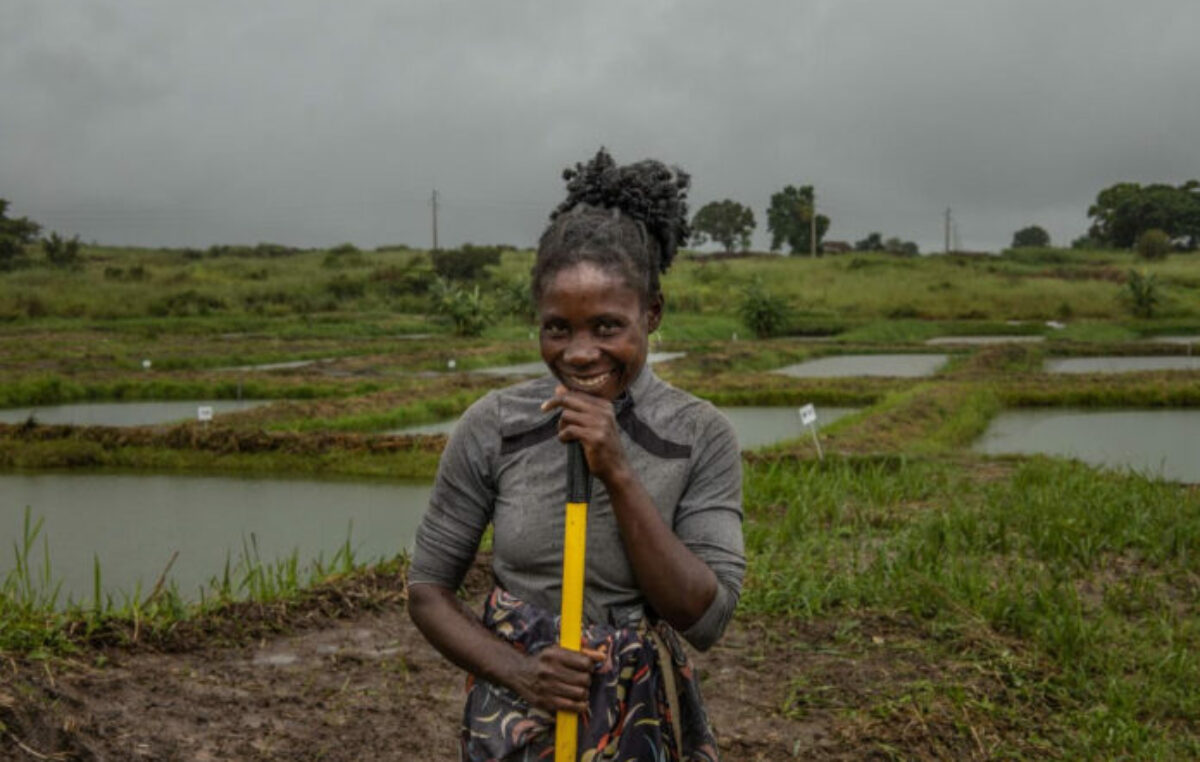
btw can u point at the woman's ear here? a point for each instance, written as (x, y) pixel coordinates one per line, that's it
(654, 312)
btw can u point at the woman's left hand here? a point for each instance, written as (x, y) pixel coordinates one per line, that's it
(590, 421)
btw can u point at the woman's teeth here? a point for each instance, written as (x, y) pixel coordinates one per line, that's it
(590, 382)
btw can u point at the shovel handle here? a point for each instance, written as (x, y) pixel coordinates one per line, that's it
(571, 624)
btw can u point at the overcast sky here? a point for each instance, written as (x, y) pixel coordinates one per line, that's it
(312, 123)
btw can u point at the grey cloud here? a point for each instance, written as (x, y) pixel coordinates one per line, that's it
(313, 123)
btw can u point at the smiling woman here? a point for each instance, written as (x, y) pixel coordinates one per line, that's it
(664, 539)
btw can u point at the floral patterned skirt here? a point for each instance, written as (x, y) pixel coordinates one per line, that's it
(629, 712)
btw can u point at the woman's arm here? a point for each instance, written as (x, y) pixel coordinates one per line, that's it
(554, 679)
(676, 582)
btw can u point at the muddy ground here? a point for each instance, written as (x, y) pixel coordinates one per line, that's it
(344, 675)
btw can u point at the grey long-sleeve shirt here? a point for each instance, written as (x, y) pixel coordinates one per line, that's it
(504, 465)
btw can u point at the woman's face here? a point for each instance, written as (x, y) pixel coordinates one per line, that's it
(595, 330)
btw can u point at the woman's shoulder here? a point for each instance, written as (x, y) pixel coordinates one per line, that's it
(682, 412)
(512, 408)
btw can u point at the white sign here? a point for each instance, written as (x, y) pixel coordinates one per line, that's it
(204, 413)
(808, 415)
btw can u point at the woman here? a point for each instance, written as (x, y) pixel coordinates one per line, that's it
(664, 545)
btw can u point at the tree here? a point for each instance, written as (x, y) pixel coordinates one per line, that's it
(789, 218)
(873, 242)
(1034, 235)
(1124, 211)
(61, 252)
(726, 222)
(15, 234)
(894, 245)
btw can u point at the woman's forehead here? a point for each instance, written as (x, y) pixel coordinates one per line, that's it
(586, 279)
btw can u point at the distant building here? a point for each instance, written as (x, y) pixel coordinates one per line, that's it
(836, 247)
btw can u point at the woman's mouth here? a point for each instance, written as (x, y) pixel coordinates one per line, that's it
(588, 383)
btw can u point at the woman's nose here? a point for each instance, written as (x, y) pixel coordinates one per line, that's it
(581, 350)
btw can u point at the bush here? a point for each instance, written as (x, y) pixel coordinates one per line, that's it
(414, 277)
(516, 299)
(1141, 292)
(344, 255)
(1153, 244)
(465, 263)
(468, 311)
(344, 287)
(763, 313)
(185, 303)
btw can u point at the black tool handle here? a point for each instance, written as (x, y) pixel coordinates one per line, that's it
(579, 480)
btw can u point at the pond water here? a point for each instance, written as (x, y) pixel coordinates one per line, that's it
(761, 426)
(983, 340)
(900, 365)
(755, 426)
(1120, 364)
(135, 523)
(122, 413)
(539, 367)
(1188, 340)
(1158, 442)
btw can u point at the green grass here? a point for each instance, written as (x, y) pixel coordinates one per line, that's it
(1089, 577)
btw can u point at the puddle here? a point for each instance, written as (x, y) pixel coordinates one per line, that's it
(133, 524)
(1159, 442)
(123, 413)
(1120, 364)
(896, 365)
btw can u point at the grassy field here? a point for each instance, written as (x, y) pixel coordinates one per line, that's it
(1039, 608)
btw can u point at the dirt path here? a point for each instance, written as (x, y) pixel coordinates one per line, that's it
(362, 684)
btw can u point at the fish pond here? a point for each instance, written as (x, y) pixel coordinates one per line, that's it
(1117, 364)
(893, 365)
(134, 524)
(1155, 442)
(122, 413)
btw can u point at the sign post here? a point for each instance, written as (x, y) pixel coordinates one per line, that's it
(808, 417)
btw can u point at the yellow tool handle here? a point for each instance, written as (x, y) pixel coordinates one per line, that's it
(571, 627)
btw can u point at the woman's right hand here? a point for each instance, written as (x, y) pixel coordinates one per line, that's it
(557, 680)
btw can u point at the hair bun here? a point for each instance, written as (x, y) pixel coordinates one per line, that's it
(648, 191)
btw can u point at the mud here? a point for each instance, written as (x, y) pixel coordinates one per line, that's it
(344, 675)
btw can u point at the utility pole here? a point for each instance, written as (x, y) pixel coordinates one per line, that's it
(433, 202)
(948, 224)
(812, 224)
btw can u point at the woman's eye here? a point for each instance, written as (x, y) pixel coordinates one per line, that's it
(608, 329)
(554, 330)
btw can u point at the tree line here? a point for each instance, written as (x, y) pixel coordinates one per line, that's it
(790, 221)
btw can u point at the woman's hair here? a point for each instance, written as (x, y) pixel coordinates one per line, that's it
(628, 219)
